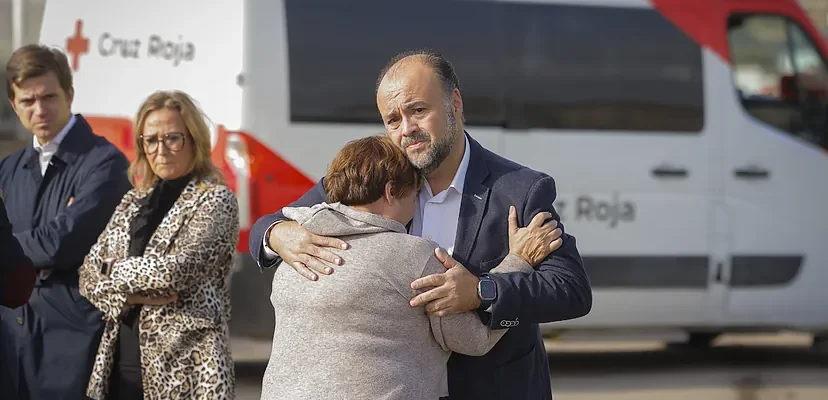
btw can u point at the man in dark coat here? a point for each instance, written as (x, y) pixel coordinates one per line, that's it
(60, 193)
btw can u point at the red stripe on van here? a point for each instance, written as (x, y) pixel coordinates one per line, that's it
(704, 21)
(117, 131)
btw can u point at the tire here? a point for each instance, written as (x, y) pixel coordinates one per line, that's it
(702, 340)
(820, 343)
(696, 340)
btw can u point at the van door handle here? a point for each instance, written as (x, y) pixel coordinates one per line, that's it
(751, 172)
(668, 171)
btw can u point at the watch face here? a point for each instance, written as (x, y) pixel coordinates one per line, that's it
(488, 291)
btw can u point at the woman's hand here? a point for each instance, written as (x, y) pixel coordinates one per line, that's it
(151, 301)
(535, 241)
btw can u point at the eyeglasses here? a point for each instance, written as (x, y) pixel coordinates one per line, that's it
(172, 141)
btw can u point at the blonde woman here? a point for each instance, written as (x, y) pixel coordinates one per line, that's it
(158, 271)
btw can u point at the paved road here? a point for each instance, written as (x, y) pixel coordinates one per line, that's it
(777, 369)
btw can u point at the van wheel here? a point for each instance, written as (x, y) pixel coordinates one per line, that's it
(696, 340)
(701, 340)
(820, 343)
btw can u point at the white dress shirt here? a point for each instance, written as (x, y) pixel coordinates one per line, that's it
(437, 215)
(48, 150)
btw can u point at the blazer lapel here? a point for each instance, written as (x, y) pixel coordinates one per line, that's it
(163, 236)
(32, 163)
(472, 206)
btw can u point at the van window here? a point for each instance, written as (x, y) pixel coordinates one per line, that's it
(780, 76)
(337, 48)
(600, 68)
(520, 65)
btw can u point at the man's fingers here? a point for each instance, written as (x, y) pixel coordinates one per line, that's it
(513, 224)
(321, 253)
(428, 281)
(444, 258)
(429, 296)
(315, 265)
(438, 305)
(71, 200)
(329, 242)
(450, 310)
(304, 271)
(539, 219)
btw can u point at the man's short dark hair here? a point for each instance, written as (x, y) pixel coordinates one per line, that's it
(439, 64)
(35, 60)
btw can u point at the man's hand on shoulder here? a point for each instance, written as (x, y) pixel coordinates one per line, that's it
(454, 291)
(304, 251)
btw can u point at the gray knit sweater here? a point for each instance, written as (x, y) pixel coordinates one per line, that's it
(353, 335)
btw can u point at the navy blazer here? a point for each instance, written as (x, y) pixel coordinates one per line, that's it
(86, 167)
(559, 289)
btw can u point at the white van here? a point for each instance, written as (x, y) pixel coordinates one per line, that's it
(687, 138)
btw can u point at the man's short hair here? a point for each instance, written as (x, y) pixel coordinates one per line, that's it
(436, 61)
(35, 60)
(359, 172)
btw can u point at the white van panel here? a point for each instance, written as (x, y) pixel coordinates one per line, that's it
(673, 217)
(783, 216)
(200, 53)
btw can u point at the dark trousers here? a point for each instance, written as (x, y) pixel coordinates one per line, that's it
(53, 340)
(8, 353)
(125, 381)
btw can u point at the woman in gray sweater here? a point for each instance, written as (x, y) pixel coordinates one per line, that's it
(353, 335)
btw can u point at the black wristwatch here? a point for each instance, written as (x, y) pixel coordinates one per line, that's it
(105, 266)
(487, 291)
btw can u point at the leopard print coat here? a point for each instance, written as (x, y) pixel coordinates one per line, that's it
(185, 351)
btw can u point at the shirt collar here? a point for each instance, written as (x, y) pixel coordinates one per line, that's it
(459, 180)
(57, 140)
(460, 177)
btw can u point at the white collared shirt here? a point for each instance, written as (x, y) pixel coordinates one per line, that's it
(437, 215)
(48, 150)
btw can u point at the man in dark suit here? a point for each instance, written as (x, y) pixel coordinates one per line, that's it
(464, 206)
(60, 193)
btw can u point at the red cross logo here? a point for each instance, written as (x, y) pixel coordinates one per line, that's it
(77, 45)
